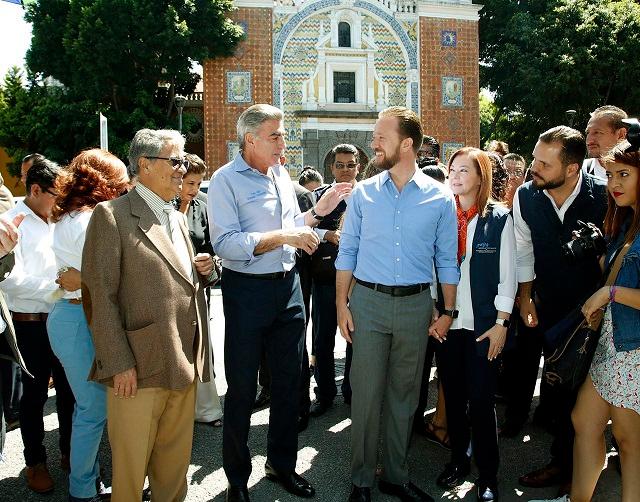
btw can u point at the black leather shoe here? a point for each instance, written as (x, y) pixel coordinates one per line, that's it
(453, 475)
(292, 482)
(360, 494)
(237, 494)
(486, 492)
(509, 429)
(407, 492)
(319, 408)
(263, 399)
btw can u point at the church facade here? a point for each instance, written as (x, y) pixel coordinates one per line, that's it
(332, 65)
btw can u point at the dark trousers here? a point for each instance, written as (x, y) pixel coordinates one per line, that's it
(521, 372)
(261, 313)
(346, 382)
(469, 382)
(11, 388)
(33, 343)
(325, 323)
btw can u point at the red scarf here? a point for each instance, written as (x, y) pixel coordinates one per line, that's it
(464, 217)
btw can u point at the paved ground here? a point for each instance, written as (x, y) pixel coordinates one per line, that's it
(323, 456)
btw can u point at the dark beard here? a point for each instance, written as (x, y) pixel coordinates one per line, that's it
(548, 185)
(388, 162)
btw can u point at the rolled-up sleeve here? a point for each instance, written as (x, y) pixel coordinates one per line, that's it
(446, 244)
(508, 283)
(350, 235)
(227, 239)
(525, 260)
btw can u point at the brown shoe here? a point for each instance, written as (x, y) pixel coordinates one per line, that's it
(38, 478)
(549, 475)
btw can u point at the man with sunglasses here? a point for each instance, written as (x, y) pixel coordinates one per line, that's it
(143, 295)
(344, 168)
(27, 288)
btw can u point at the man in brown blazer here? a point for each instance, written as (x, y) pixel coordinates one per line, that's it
(143, 294)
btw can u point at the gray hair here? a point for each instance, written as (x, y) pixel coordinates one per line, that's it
(149, 143)
(253, 117)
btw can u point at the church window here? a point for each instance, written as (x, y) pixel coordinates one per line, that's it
(344, 87)
(344, 34)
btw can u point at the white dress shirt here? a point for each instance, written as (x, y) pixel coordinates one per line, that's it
(33, 276)
(507, 287)
(524, 246)
(68, 242)
(593, 166)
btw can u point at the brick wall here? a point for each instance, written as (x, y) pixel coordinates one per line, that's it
(437, 59)
(252, 55)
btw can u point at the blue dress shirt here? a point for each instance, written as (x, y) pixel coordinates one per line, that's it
(392, 238)
(243, 203)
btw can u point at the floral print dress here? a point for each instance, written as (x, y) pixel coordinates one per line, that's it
(616, 375)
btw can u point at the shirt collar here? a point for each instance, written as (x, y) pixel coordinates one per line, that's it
(419, 178)
(153, 200)
(21, 207)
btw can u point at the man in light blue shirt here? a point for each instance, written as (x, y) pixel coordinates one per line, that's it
(398, 224)
(256, 227)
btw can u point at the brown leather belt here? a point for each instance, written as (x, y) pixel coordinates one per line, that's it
(75, 301)
(25, 317)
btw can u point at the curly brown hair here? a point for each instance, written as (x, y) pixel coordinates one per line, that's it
(93, 176)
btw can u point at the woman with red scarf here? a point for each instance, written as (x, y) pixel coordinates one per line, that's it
(467, 357)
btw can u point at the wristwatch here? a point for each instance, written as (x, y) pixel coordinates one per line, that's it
(316, 215)
(450, 312)
(503, 322)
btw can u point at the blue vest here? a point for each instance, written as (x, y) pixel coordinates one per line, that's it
(562, 283)
(484, 267)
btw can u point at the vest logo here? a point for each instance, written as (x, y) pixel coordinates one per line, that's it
(485, 248)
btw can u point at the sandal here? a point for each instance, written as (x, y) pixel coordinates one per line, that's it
(215, 423)
(431, 433)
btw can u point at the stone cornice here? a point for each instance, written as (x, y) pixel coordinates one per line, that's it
(449, 10)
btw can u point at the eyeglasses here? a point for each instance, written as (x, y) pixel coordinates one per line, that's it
(350, 165)
(51, 193)
(176, 162)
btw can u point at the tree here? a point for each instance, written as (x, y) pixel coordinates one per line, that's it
(541, 58)
(124, 58)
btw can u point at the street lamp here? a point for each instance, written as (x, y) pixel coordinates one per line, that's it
(571, 116)
(179, 102)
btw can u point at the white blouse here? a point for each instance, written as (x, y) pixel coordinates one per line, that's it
(68, 242)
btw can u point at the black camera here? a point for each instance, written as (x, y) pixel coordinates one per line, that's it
(633, 134)
(588, 242)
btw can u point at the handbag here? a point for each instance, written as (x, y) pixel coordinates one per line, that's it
(575, 340)
(323, 263)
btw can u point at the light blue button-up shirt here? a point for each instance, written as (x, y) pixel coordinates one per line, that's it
(243, 203)
(394, 238)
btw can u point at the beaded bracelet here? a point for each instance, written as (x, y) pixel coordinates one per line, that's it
(612, 294)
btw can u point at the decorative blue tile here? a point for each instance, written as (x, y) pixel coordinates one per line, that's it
(239, 87)
(233, 148)
(245, 27)
(448, 149)
(414, 97)
(452, 92)
(448, 38)
(276, 93)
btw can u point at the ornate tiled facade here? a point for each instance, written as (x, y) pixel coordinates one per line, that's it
(414, 53)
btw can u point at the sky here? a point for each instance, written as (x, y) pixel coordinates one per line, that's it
(15, 36)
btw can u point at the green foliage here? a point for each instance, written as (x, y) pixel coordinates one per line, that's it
(543, 57)
(124, 58)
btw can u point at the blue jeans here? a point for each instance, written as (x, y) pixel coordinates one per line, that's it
(71, 342)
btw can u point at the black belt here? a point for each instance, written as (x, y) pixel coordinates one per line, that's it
(414, 289)
(271, 276)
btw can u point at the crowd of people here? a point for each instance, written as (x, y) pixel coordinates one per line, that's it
(405, 257)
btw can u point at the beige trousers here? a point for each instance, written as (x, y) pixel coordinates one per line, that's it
(151, 434)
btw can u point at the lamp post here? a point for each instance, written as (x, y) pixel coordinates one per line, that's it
(571, 116)
(179, 102)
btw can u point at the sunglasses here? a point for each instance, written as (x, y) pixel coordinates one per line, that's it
(176, 162)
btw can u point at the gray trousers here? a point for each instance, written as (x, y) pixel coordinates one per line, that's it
(389, 345)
